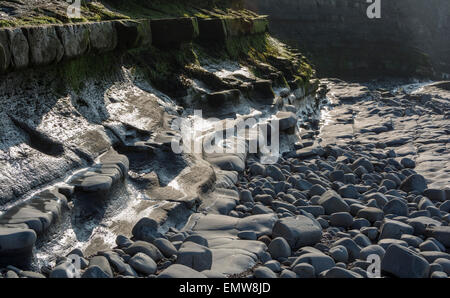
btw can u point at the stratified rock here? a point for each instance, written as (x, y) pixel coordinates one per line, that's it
(103, 36)
(173, 32)
(133, 33)
(45, 46)
(74, 39)
(5, 53)
(19, 48)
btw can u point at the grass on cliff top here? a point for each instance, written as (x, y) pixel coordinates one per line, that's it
(90, 12)
(179, 8)
(118, 9)
(165, 67)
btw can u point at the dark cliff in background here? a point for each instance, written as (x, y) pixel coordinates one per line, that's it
(411, 38)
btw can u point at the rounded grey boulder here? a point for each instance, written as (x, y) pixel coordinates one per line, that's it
(341, 219)
(165, 247)
(146, 229)
(180, 271)
(402, 262)
(298, 231)
(279, 248)
(196, 256)
(143, 264)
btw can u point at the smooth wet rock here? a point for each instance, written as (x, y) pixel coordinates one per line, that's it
(165, 247)
(429, 245)
(123, 241)
(341, 219)
(198, 239)
(298, 231)
(64, 270)
(195, 256)
(273, 265)
(102, 263)
(146, 248)
(435, 195)
(16, 246)
(143, 264)
(337, 272)
(264, 272)
(371, 214)
(444, 263)
(395, 229)
(397, 207)
(247, 235)
(146, 229)
(304, 270)
(404, 263)
(339, 253)
(440, 233)
(213, 274)
(288, 274)
(414, 182)
(118, 263)
(332, 202)
(319, 261)
(180, 271)
(275, 173)
(279, 248)
(94, 272)
(408, 163)
(348, 191)
(371, 250)
(353, 249)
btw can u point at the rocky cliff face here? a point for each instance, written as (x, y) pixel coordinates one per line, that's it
(342, 40)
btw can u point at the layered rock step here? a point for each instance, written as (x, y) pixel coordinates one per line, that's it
(49, 44)
(22, 224)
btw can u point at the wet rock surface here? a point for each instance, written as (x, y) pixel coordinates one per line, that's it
(370, 179)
